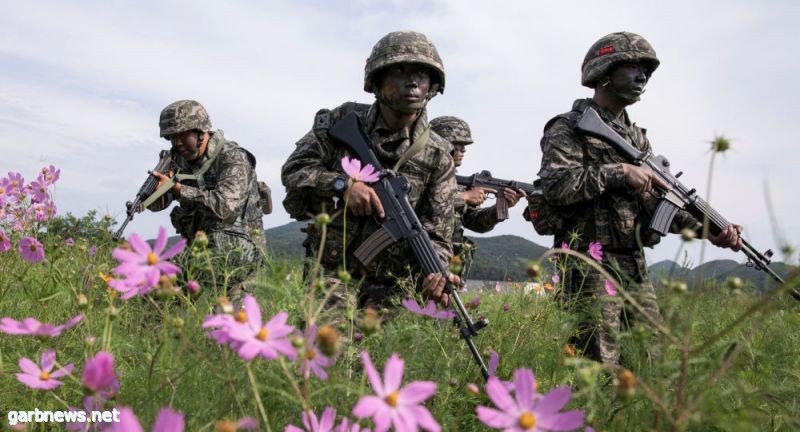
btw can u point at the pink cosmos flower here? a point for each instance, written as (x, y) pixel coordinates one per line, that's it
(44, 378)
(167, 420)
(429, 310)
(143, 266)
(258, 338)
(610, 288)
(39, 190)
(556, 278)
(92, 250)
(69, 242)
(90, 403)
(15, 182)
(348, 425)
(475, 301)
(5, 242)
(99, 377)
(564, 245)
(31, 326)
(314, 360)
(325, 423)
(392, 405)
(352, 167)
(49, 175)
(4, 190)
(596, 251)
(498, 287)
(527, 410)
(31, 250)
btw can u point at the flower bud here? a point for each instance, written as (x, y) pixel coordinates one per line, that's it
(83, 302)
(328, 340)
(506, 307)
(225, 305)
(625, 383)
(322, 219)
(193, 286)
(90, 340)
(344, 276)
(569, 350)
(734, 283)
(298, 341)
(177, 322)
(200, 239)
(224, 426)
(358, 337)
(370, 322)
(473, 388)
(455, 265)
(688, 234)
(534, 269)
(112, 312)
(720, 144)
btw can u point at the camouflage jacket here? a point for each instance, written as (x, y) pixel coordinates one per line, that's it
(583, 178)
(227, 201)
(311, 169)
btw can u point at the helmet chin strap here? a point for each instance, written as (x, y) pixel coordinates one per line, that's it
(620, 94)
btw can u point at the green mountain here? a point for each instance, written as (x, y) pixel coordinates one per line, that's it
(497, 258)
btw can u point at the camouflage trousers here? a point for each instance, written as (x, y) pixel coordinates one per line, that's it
(602, 316)
(229, 265)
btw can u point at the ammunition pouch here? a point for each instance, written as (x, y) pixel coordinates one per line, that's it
(546, 219)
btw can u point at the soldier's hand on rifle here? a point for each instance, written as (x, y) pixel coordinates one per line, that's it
(728, 238)
(513, 196)
(362, 200)
(475, 197)
(163, 179)
(433, 287)
(642, 179)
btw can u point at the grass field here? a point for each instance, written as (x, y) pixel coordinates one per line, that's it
(728, 360)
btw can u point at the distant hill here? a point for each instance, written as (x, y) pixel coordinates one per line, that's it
(720, 270)
(502, 257)
(498, 258)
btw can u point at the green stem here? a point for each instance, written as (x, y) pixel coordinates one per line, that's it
(260, 404)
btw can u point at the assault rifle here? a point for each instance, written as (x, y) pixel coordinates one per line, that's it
(677, 196)
(484, 179)
(401, 223)
(146, 191)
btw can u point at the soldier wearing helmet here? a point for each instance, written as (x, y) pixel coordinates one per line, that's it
(404, 72)
(602, 199)
(467, 211)
(215, 185)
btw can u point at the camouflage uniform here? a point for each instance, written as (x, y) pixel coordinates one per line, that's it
(583, 178)
(481, 220)
(225, 203)
(315, 164)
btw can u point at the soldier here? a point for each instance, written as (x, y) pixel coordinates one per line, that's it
(404, 71)
(468, 213)
(217, 190)
(602, 198)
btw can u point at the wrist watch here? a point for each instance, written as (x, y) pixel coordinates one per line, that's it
(339, 185)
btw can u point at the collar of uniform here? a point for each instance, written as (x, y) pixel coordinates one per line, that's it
(391, 144)
(216, 139)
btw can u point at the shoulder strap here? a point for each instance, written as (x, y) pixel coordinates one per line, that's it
(180, 177)
(421, 141)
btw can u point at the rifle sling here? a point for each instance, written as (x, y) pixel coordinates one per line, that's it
(177, 178)
(422, 140)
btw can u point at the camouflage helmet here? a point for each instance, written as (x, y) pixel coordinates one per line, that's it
(612, 49)
(403, 47)
(182, 116)
(453, 129)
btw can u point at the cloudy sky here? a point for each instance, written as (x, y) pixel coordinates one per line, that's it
(84, 83)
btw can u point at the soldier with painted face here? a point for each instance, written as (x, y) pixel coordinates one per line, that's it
(217, 191)
(404, 71)
(602, 198)
(467, 211)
